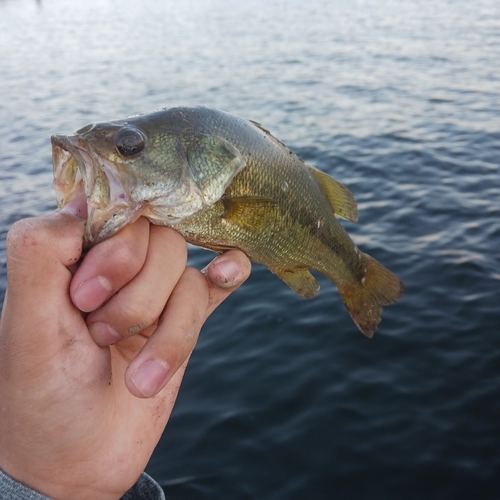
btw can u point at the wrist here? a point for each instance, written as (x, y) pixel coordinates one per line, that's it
(10, 488)
(51, 483)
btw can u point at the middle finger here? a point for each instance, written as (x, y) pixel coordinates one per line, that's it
(139, 304)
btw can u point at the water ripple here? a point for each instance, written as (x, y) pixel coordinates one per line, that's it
(283, 397)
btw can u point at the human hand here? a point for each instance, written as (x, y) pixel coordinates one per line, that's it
(80, 417)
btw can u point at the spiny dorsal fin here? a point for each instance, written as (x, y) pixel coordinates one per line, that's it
(259, 125)
(341, 199)
(271, 136)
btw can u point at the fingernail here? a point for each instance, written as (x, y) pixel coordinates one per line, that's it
(151, 377)
(76, 207)
(224, 273)
(92, 293)
(103, 334)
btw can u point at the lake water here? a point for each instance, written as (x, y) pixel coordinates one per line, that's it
(399, 100)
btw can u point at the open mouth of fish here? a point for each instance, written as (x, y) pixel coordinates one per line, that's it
(82, 175)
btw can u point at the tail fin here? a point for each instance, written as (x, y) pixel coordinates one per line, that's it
(364, 301)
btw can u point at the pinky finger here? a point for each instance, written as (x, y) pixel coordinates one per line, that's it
(224, 275)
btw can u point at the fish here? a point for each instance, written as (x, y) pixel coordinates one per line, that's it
(223, 182)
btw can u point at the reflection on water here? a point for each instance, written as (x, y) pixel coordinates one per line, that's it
(398, 100)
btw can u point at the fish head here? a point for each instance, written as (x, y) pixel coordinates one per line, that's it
(143, 165)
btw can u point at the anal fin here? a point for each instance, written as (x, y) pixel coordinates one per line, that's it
(301, 281)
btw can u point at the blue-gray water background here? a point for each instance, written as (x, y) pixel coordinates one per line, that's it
(399, 100)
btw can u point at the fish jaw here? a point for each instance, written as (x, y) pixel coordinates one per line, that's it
(106, 184)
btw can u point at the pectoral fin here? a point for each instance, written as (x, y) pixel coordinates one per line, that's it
(301, 281)
(250, 212)
(213, 163)
(341, 199)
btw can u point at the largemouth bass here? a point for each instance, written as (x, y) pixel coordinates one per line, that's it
(223, 182)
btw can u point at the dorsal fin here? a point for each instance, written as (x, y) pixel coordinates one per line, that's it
(259, 125)
(341, 199)
(271, 136)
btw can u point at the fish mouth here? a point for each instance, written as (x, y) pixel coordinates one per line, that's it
(106, 186)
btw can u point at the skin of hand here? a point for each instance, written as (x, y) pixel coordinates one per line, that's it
(79, 417)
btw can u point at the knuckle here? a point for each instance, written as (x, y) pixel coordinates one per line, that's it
(194, 278)
(174, 238)
(188, 334)
(138, 316)
(124, 255)
(128, 314)
(23, 237)
(127, 249)
(45, 238)
(136, 328)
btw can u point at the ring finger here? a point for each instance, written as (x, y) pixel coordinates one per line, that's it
(173, 339)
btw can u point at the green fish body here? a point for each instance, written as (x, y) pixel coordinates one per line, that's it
(224, 182)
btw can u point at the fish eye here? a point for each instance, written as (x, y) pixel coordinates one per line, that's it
(129, 141)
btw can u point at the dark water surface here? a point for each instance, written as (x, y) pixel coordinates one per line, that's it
(284, 398)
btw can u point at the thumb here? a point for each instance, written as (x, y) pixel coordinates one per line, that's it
(37, 305)
(39, 252)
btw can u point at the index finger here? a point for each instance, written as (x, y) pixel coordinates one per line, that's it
(109, 266)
